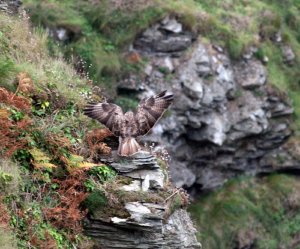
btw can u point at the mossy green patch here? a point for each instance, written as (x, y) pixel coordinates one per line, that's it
(96, 201)
(259, 206)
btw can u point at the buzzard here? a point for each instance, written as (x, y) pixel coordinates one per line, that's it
(130, 125)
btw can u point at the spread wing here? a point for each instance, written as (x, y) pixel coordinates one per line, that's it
(150, 110)
(108, 114)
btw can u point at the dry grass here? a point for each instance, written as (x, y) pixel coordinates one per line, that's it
(27, 48)
(24, 45)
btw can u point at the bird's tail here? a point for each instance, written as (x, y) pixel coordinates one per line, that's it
(128, 146)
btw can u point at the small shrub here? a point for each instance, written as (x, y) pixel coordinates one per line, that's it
(95, 201)
(270, 25)
(16, 115)
(292, 19)
(10, 99)
(13, 132)
(68, 214)
(23, 157)
(9, 177)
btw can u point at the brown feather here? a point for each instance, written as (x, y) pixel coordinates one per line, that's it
(150, 110)
(129, 125)
(108, 114)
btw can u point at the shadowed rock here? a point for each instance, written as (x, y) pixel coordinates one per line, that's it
(226, 118)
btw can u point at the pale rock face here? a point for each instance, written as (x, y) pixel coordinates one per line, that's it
(171, 24)
(137, 210)
(165, 64)
(183, 175)
(10, 7)
(250, 74)
(134, 186)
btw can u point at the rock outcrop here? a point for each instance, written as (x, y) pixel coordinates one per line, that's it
(166, 37)
(10, 6)
(226, 119)
(149, 223)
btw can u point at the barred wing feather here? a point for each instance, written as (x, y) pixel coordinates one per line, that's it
(108, 114)
(150, 110)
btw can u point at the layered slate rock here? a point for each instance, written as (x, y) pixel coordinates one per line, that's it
(168, 36)
(161, 225)
(226, 118)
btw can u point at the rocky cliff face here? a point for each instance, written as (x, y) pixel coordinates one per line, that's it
(152, 214)
(226, 119)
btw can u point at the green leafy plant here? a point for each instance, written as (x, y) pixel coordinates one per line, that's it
(69, 134)
(41, 107)
(16, 115)
(23, 157)
(103, 173)
(90, 185)
(95, 201)
(5, 179)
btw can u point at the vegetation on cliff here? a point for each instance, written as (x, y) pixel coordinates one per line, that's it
(44, 143)
(261, 213)
(49, 180)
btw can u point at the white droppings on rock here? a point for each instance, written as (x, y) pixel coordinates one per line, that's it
(135, 185)
(117, 220)
(146, 183)
(62, 34)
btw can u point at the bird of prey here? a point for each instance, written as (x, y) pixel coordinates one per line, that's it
(130, 125)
